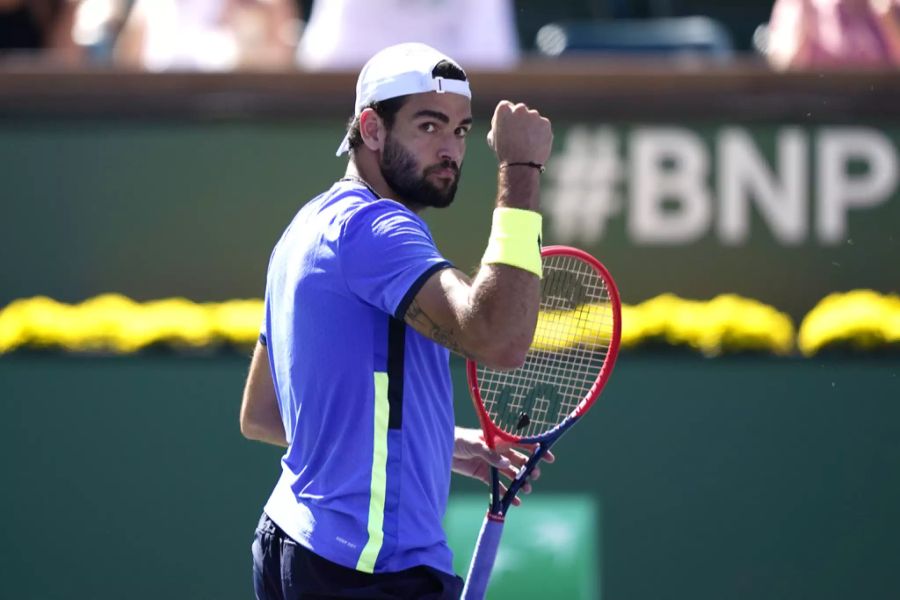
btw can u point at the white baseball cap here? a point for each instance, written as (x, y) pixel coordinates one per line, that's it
(400, 70)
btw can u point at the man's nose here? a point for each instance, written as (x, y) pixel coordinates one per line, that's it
(451, 149)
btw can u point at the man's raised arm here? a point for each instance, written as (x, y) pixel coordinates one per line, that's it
(492, 317)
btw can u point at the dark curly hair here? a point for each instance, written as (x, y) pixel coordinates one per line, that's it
(388, 109)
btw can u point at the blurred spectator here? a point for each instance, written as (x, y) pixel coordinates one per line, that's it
(41, 28)
(343, 34)
(806, 34)
(209, 35)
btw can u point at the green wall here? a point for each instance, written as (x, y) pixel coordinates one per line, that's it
(742, 477)
(163, 207)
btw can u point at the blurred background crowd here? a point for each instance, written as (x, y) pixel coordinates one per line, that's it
(316, 35)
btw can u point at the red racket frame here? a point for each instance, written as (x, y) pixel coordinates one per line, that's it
(491, 432)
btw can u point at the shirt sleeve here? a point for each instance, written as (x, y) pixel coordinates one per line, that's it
(387, 254)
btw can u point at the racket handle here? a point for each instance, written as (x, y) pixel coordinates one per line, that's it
(483, 558)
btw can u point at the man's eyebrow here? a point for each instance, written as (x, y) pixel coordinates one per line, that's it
(435, 114)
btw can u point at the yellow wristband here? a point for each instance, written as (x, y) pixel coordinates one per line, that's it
(515, 240)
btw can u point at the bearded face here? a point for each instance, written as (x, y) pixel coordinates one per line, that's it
(402, 173)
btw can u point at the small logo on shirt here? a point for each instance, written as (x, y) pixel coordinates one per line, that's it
(345, 542)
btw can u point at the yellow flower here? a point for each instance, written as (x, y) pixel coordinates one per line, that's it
(862, 318)
(114, 323)
(725, 323)
(237, 321)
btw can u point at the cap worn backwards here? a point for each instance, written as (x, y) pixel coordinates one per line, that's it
(398, 71)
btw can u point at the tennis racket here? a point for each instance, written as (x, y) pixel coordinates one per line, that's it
(570, 359)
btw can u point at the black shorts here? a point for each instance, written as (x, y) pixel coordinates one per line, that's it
(285, 570)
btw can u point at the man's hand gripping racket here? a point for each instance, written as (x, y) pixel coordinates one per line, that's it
(570, 359)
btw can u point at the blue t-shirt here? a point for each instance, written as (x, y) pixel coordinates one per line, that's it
(366, 401)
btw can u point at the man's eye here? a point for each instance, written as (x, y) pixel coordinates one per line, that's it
(462, 132)
(429, 127)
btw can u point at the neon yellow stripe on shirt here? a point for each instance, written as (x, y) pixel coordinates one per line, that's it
(379, 477)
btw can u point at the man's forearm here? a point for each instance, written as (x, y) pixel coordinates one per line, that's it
(268, 435)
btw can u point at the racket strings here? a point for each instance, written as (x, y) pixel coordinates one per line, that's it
(570, 346)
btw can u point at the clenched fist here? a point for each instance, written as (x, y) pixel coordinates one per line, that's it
(520, 134)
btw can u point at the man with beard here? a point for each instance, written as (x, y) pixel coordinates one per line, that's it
(351, 370)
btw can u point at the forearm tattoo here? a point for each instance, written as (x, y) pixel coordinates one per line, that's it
(420, 320)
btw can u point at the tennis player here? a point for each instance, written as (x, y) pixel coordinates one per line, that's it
(351, 370)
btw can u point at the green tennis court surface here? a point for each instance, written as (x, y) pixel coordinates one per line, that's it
(549, 546)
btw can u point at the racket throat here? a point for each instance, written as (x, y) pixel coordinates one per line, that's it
(500, 507)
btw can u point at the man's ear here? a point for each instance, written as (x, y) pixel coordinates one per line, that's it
(372, 130)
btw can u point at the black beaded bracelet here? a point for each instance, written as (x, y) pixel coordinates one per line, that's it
(531, 164)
